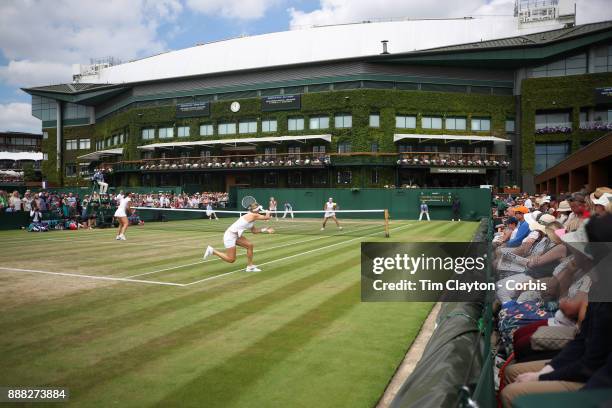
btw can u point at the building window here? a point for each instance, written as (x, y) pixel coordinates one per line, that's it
(227, 128)
(45, 156)
(205, 154)
(549, 154)
(271, 178)
(71, 145)
(405, 122)
(510, 126)
(374, 176)
(431, 122)
(166, 133)
(268, 125)
(43, 108)
(345, 177)
(553, 122)
(269, 153)
(374, 120)
(344, 147)
(603, 58)
(148, 134)
(374, 147)
(481, 124)
(319, 178)
(405, 148)
(45, 135)
(295, 124)
(574, 65)
(318, 151)
(456, 149)
(430, 148)
(71, 170)
(247, 127)
(294, 151)
(74, 111)
(84, 144)
(480, 150)
(295, 178)
(206, 130)
(456, 123)
(182, 131)
(343, 121)
(115, 140)
(319, 122)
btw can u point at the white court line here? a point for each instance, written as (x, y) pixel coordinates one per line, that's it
(294, 256)
(219, 259)
(76, 275)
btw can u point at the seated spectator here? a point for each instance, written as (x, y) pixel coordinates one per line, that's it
(577, 202)
(522, 229)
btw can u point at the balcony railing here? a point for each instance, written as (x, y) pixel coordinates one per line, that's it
(596, 125)
(556, 127)
(309, 160)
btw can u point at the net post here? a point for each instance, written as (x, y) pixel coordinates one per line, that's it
(386, 223)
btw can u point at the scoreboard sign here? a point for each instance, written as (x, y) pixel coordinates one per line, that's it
(281, 102)
(436, 198)
(457, 170)
(189, 110)
(603, 95)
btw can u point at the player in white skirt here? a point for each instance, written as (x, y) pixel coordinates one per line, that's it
(234, 236)
(210, 213)
(330, 212)
(273, 207)
(122, 216)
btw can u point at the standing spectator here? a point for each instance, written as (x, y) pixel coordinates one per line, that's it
(424, 210)
(15, 201)
(3, 200)
(456, 209)
(26, 201)
(528, 203)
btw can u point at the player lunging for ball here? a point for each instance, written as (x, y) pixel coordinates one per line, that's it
(330, 212)
(233, 236)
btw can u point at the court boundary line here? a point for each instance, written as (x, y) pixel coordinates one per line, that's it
(77, 275)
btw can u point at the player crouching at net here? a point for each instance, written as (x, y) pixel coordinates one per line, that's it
(233, 236)
(122, 216)
(330, 212)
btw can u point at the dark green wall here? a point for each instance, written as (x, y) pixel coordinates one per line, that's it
(401, 203)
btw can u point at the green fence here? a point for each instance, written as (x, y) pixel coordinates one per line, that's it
(401, 203)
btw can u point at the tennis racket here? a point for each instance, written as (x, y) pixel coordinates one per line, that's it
(248, 201)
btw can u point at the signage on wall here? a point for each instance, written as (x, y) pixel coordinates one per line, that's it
(436, 198)
(457, 170)
(603, 95)
(188, 110)
(280, 102)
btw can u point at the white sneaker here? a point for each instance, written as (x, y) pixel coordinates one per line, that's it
(340, 227)
(323, 229)
(118, 238)
(252, 268)
(122, 238)
(208, 252)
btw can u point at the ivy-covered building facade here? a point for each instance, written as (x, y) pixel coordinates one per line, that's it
(494, 112)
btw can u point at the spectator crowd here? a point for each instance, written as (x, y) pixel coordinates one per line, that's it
(553, 312)
(51, 210)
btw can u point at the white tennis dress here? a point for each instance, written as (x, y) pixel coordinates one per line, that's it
(235, 231)
(329, 210)
(121, 210)
(209, 210)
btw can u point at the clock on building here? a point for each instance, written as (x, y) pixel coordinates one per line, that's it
(235, 106)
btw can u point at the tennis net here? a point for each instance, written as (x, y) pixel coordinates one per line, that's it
(310, 222)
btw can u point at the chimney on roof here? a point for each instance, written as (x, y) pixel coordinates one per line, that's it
(384, 44)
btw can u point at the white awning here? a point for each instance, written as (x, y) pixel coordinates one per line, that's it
(36, 156)
(449, 138)
(93, 156)
(235, 142)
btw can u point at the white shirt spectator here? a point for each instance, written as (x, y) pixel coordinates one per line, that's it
(528, 203)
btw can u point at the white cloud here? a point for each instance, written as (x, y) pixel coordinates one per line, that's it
(346, 11)
(17, 116)
(44, 38)
(235, 9)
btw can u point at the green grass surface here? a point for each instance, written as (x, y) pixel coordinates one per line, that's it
(294, 335)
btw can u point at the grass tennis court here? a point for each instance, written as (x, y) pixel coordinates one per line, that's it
(164, 326)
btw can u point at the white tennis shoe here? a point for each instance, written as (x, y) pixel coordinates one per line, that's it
(122, 237)
(208, 252)
(252, 268)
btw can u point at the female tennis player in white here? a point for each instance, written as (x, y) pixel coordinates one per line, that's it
(122, 216)
(272, 207)
(233, 236)
(210, 212)
(330, 212)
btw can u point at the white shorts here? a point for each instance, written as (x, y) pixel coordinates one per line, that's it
(120, 213)
(329, 214)
(209, 213)
(229, 239)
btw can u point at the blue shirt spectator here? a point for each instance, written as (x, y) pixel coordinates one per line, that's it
(522, 229)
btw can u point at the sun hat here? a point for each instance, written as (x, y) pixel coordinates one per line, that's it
(521, 209)
(540, 225)
(564, 206)
(599, 192)
(603, 200)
